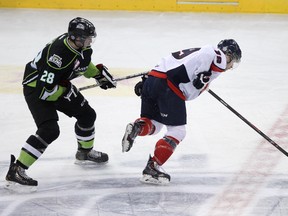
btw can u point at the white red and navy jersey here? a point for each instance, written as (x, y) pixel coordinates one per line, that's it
(183, 66)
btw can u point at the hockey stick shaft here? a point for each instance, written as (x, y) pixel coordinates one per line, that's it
(117, 79)
(247, 122)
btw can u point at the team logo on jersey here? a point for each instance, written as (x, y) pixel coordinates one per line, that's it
(81, 70)
(57, 60)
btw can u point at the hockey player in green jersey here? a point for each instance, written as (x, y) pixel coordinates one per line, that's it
(47, 90)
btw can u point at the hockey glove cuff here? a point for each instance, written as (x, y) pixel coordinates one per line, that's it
(70, 92)
(104, 78)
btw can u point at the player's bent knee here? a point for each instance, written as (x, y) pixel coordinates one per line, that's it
(87, 118)
(158, 126)
(178, 132)
(49, 131)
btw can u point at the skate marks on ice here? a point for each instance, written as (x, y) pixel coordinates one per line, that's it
(255, 175)
(104, 197)
(126, 196)
(102, 191)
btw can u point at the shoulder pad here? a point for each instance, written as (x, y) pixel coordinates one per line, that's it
(59, 55)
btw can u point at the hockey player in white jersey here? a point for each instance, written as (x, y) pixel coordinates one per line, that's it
(179, 77)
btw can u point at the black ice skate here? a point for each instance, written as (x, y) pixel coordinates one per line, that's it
(131, 132)
(152, 174)
(17, 180)
(85, 156)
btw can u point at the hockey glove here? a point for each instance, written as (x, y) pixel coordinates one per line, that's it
(202, 79)
(105, 79)
(71, 90)
(138, 87)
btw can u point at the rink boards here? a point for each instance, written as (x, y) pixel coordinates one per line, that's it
(223, 6)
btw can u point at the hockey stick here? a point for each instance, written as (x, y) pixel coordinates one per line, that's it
(247, 122)
(117, 79)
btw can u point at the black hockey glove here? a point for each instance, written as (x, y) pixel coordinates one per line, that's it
(71, 90)
(105, 79)
(138, 87)
(201, 79)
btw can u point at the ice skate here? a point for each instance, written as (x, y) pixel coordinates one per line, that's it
(85, 156)
(17, 180)
(152, 174)
(131, 132)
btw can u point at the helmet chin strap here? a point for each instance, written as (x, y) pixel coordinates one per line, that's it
(83, 42)
(73, 44)
(79, 41)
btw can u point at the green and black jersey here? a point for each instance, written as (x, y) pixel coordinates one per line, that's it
(55, 65)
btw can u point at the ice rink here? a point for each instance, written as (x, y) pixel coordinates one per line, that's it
(222, 168)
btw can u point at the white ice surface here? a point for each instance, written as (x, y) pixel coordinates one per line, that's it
(223, 167)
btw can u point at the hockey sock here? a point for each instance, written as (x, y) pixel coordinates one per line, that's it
(147, 126)
(164, 149)
(85, 136)
(31, 151)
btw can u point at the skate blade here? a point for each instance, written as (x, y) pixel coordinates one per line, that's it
(125, 143)
(18, 188)
(148, 179)
(89, 163)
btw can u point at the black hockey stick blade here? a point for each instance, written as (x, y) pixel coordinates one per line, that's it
(248, 122)
(117, 79)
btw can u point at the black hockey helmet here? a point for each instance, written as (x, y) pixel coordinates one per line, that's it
(81, 28)
(230, 48)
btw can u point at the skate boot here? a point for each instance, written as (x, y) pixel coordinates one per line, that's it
(90, 156)
(131, 132)
(152, 174)
(17, 180)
